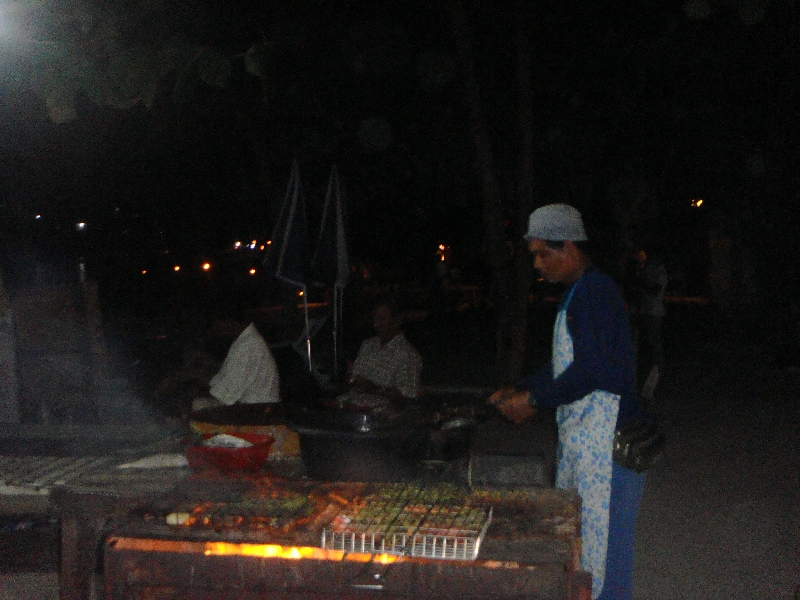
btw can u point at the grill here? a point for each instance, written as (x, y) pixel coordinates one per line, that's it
(40, 473)
(247, 537)
(436, 522)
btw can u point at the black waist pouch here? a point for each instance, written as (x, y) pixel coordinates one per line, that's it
(638, 446)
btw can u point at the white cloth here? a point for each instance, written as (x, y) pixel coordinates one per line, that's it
(157, 461)
(249, 374)
(585, 438)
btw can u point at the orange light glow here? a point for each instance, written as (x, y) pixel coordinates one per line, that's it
(257, 550)
(293, 552)
(206, 266)
(300, 293)
(176, 268)
(252, 271)
(261, 247)
(144, 271)
(269, 242)
(270, 551)
(697, 202)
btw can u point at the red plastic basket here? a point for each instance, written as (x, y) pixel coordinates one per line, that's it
(251, 458)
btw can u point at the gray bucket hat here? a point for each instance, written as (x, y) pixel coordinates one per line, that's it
(556, 222)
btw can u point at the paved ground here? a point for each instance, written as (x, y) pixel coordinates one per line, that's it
(29, 586)
(721, 515)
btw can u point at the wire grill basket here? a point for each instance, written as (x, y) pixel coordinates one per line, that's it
(411, 521)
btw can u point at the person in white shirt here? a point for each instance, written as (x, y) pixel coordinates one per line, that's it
(248, 375)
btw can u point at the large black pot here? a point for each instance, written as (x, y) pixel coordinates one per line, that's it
(353, 446)
(381, 455)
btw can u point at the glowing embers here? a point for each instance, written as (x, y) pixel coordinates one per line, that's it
(254, 550)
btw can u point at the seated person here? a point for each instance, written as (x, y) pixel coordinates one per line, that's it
(387, 368)
(247, 376)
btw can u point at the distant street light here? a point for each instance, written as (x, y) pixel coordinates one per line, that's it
(697, 202)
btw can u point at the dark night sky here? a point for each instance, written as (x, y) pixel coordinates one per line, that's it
(638, 108)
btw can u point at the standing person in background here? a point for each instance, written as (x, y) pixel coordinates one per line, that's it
(591, 382)
(653, 284)
(632, 288)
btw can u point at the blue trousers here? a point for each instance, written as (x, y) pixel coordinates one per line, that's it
(626, 495)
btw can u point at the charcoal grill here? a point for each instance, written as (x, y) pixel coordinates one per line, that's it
(349, 540)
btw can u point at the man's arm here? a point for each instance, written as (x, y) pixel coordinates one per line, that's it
(592, 323)
(362, 384)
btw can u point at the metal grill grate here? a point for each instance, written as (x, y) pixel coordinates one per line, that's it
(412, 521)
(43, 472)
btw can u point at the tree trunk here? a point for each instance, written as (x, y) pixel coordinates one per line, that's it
(510, 264)
(494, 246)
(521, 267)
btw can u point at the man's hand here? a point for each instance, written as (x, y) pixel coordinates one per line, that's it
(513, 404)
(361, 384)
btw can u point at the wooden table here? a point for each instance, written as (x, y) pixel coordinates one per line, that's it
(87, 509)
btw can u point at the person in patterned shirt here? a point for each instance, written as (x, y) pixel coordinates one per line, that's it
(387, 368)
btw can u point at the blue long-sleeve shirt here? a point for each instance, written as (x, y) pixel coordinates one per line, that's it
(603, 355)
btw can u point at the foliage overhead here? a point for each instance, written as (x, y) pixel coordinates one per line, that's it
(63, 50)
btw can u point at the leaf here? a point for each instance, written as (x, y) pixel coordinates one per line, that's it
(435, 70)
(751, 12)
(95, 83)
(697, 10)
(185, 72)
(374, 134)
(257, 60)
(132, 73)
(169, 56)
(61, 109)
(55, 78)
(152, 5)
(214, 68)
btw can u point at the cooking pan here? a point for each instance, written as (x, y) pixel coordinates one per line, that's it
(343, 445)
(385, 454)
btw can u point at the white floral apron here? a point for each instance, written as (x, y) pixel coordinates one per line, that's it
(585, 435)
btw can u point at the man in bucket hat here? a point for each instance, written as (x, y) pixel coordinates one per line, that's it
(591, 383)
